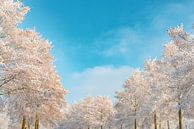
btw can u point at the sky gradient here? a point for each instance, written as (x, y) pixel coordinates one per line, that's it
(97, 43)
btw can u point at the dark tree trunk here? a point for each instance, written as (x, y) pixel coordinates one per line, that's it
(23, 122)
(180, 119)
(135, 127)
(155, 120)
(37, 122)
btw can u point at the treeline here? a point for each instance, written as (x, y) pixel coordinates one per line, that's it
(159, 96)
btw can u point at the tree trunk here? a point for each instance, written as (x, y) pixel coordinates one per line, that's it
(160, 126)
(28, 125)
(37, 122)
(135, 124)
(23, 122)
(186, 126)
(155, 120)
(180, 119)
(101, 117)
(168, 124)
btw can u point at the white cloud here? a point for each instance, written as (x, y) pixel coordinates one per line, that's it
(101, 80)
(117, 41)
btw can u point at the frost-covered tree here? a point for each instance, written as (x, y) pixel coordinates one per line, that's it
(11, 14)
(157, 75)
(167, 83)
(91, 113)
(104, 112)
(180, 55)
(132, 102)
(81, 115)
(28, 79)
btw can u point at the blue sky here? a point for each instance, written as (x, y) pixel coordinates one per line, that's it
(97, 43)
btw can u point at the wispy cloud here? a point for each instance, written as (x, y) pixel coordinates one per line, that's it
(117, 41)
(149, 37)
(174, 14)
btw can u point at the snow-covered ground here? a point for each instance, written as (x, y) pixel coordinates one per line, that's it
(188, 123)
(3, 121)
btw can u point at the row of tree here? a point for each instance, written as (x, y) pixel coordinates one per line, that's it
(164, 88)
(159, 96)
(90, 113)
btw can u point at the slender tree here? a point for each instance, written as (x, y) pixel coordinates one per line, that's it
(133, 99)
(181, 61)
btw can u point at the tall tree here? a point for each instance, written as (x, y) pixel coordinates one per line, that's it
(157, 73)
(133, 99)
(180, 55)
(28, 78)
